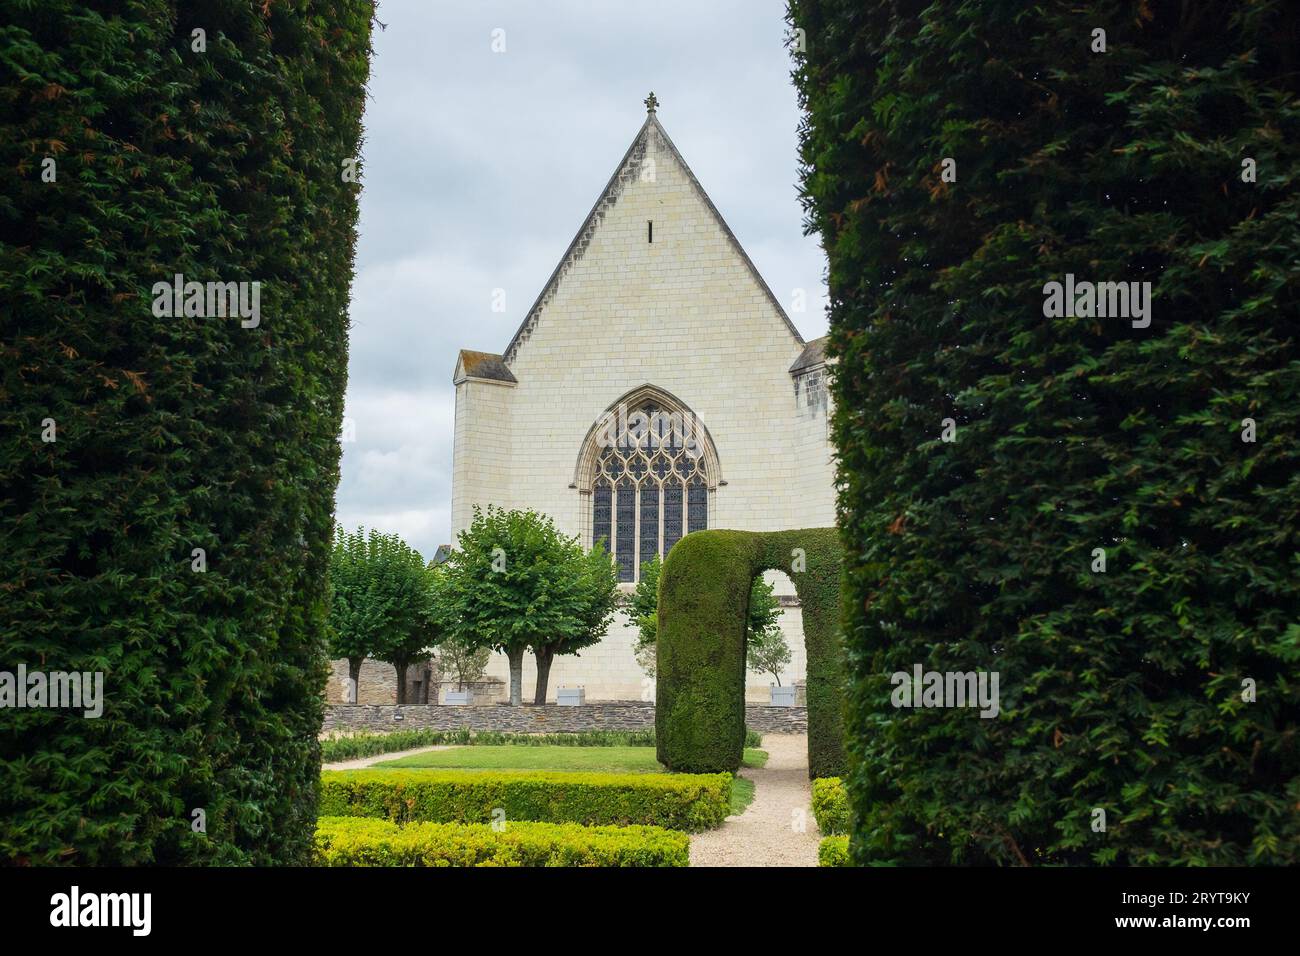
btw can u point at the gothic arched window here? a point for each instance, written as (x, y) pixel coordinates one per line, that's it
(648, 468)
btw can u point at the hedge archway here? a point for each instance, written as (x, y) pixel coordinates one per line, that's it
(703, 604)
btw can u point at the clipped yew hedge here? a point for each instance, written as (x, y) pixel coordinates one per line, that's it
(830, 805)
(1150, 710)
(355, 841)
(703, 606)
(690, 802)
(171, 434)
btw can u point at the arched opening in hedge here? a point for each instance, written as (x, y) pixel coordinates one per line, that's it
(703, 604)
(790, 622)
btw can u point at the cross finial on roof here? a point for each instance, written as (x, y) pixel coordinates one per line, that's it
(651, 102)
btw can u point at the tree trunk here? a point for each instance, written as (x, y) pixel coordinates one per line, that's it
(400, 667)
(516, 658)
(354, 675)
(544, 656)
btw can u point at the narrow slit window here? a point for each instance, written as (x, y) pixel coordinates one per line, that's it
(650, 230)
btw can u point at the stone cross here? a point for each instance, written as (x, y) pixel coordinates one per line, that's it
(651, 102)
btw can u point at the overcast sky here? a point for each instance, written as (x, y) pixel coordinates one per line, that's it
(480, 166)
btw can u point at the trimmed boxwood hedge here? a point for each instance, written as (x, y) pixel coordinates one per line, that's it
(703, 604)
(171, 434)
(689, 802)
(351, 746)
(354, 841)
(1161, 691)
(834, 851)
(830, 805)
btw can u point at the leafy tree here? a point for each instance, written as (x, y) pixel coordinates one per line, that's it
(764, 611)
(355, 619)
(594, 597)
(414, 628)
(1098, 526)
(467, 662)
(645, 656)
(167, 483)
(768, 652)
(384, 600)
(509, 586)
(644, 611)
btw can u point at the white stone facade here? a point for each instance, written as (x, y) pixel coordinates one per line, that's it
(677, 311)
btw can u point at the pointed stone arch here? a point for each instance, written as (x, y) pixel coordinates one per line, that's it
(584, 470)
(647, 474)
(703, 605)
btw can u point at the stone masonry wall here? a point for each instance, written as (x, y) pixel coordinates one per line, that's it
(377, 683)
(544, 719)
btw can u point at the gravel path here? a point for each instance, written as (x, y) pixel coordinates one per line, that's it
(765, 834)
(370, 761)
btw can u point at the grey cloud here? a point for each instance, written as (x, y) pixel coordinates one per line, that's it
(479, 168)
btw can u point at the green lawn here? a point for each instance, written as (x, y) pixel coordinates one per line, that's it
(594, 759)
(742, 794)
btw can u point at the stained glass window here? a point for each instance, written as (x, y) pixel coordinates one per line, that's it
(625, 532)
(672, 515)
(600, 523)
(649, 521)
(657, 463)
(697, 506)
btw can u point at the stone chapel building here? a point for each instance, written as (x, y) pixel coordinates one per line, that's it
(653, 308)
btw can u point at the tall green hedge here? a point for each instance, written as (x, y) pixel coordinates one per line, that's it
(1121, 691)
(704, 593)
(171, 434)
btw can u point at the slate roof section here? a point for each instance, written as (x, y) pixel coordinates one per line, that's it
(813, 354)
(485, 365)
(627, 169)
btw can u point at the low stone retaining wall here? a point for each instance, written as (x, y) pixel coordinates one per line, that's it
(538, 719)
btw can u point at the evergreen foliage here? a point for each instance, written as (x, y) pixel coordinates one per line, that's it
(830, 806)
(762, 632)
(359, 841)
(1125, 690)
(678, 801)
(171, 434)
(704, 590)
(351, 746)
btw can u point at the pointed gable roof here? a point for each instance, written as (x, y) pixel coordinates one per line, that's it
(628, 169)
